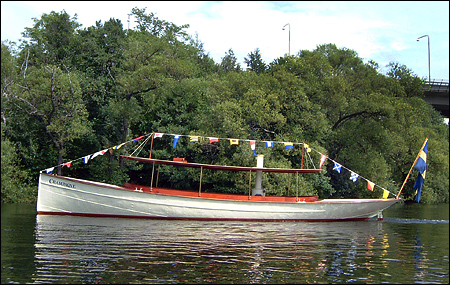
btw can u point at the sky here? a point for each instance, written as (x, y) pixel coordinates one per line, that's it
(382, 31)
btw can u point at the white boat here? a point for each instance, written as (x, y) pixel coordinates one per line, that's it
(60, 195)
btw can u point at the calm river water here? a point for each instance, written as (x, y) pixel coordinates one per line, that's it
(411, 245)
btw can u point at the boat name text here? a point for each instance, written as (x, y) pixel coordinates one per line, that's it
(61, 183)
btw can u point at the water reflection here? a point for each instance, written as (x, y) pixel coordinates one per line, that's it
(105, 250)
(418, 256)
(411, 245)
(17, 242)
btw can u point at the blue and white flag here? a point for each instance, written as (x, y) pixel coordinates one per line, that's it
(49, 170)
(354, 176)
(337, 167)
(175, 140)
(86, 158)
(269, 144)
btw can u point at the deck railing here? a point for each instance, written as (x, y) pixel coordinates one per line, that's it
(436, 85)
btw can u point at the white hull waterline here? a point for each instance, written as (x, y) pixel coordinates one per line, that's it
(59, 195)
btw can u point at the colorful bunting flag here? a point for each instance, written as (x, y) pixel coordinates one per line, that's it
(234, 141)
(370, 185)
(269, 144)
(138, 138)
(306, 147)
(253, 146)
(175, 140)
(322, 160)
(421, 165)
(67, 164)
(385, 194)
(102, 152)
(119, 146)
(354, 176)
(337, 167)
(288, 145)
(211, 139)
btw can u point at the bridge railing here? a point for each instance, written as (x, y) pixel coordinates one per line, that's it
(436, 86)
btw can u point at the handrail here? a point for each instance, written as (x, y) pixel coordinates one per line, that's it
(436, 86)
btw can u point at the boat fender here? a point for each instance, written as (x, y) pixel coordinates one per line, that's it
(380, 216)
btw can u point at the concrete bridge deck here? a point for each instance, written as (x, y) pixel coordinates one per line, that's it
(436, 94)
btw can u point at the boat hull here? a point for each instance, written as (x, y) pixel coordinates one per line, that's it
(58, 195)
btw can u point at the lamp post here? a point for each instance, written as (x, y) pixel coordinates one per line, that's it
(289, 36)
(429, 77)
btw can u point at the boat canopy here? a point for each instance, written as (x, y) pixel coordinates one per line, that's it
(220, 167)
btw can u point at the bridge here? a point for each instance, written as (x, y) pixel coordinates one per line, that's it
(436, 94)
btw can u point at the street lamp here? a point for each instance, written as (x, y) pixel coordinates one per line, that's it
(289, 36)
(429, 78)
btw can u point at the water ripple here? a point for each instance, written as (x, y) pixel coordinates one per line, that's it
(104, 250)
(415, 221)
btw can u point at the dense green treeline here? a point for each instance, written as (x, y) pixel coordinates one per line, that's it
(68, 92)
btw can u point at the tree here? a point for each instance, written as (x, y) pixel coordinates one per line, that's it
(204, 60)
(342, 60)
(50, 98)
(229, 62)
(159, 28)
(255, 62)
(411, 83)
(125, 83)
(52, 37)
(16, 186)
(99, 59)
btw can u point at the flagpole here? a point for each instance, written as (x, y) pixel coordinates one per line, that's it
(151, 147)
(407, 176)
(303, 151)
